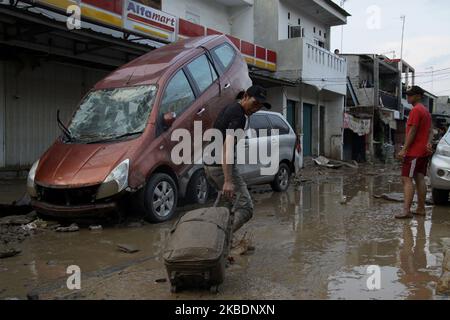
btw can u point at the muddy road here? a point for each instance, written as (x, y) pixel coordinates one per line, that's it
(313, 242)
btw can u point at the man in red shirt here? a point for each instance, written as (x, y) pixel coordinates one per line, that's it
(415, 153)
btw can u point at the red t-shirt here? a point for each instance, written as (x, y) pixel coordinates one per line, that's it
(421, 118)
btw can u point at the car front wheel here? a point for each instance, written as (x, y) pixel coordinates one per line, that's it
(440, 197)
(282, 178)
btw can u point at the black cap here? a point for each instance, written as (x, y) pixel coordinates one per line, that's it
(260, 95)
(415, 90)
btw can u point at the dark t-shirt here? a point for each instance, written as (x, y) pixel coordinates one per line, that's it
(233, 117)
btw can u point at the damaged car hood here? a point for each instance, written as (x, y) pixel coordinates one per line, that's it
(78, 165)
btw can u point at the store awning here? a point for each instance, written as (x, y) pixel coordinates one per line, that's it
(269, 79)
(357, 125)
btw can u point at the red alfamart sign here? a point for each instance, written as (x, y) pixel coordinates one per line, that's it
(156, 24)
(146, 20)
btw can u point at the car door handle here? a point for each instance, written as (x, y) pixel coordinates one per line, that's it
(201, 111)
(227, 86)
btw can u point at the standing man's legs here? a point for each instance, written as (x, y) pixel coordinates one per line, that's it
(408, 171)
(421, 194)
(243, 209)
(421, 172)
(408, 189)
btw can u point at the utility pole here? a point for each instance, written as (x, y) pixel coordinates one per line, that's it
(342, 28)
(400, 66)
(403, 18)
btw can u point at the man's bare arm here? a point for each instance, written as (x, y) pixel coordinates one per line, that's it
(431, 135)
(410, 138)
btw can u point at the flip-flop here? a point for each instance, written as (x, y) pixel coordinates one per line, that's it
(400, 217)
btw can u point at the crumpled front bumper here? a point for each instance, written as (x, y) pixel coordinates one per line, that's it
(80, 211)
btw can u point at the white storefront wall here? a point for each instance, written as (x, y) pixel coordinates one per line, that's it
(307, 22)
(30, 97)
(207, 13)
(236, 20)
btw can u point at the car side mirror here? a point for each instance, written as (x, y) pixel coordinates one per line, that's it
(169, 119)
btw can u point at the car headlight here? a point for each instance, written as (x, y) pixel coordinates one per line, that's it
(115, 182)
(30, 181)
(443, 149)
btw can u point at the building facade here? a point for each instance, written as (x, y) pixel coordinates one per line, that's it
(46, 66)
(374, 98)
(308, 85)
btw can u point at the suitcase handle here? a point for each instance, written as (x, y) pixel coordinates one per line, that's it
(219, 196)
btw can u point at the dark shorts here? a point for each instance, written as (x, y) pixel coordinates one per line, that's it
(414, 166)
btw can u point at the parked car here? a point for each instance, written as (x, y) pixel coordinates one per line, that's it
(440, 171)
(289, 151)
(118, 143)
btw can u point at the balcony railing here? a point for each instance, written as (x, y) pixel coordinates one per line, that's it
(322, 68)
(316, 66)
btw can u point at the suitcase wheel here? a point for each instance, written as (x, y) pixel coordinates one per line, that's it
(214, 289)
(173, 288)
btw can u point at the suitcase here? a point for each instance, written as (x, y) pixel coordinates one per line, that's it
(197, 250)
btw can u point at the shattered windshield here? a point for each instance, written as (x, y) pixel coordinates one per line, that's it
(113, 113)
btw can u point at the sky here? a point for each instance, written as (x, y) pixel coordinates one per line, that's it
(376, 27)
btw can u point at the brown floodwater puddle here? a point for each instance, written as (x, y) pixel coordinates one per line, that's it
(315, 241)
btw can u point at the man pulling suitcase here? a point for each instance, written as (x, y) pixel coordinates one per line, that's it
(225, 177)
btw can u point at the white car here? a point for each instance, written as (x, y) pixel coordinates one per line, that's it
(288, 164)
(440, 171)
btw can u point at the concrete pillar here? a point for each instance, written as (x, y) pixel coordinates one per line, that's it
(316, 127)
(406, 78)
(376, 102)
(376, 78)
(284, 102)
(299, 114)
(2, 113)
(299, 121)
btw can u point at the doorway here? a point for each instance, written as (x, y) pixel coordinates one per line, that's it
(307, 129)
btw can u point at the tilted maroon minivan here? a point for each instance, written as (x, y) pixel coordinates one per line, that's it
(118, 143)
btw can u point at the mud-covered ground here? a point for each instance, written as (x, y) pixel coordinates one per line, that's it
(315, 241)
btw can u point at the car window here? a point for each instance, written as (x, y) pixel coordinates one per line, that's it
(258, 122)
(111, 113)
(225, 53)
(178, 96)
(203, 72)
(278, 123)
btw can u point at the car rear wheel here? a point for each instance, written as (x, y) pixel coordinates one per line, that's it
(198, 190)
(440, 197)
(282, 178)
(160, 198)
